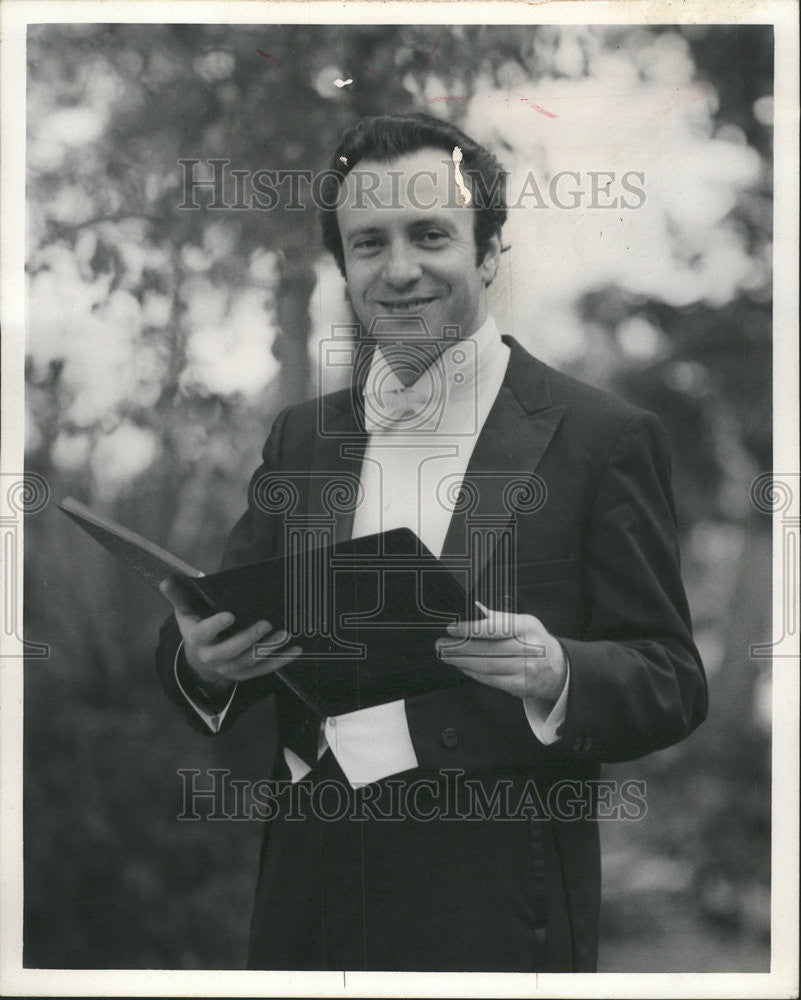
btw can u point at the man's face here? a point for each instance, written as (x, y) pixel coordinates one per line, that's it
(410, 250)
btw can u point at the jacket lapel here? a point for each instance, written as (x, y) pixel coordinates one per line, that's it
(499, 482)
(338, 450)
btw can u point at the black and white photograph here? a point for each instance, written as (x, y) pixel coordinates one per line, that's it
(400, 499)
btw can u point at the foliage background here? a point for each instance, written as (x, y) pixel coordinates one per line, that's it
(162, 342)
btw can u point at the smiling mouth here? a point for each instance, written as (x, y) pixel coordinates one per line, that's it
(405, 305)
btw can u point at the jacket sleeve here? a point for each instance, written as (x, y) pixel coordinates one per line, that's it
(637, 683)
(255, 536)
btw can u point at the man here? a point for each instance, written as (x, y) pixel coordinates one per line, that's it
(558, 496)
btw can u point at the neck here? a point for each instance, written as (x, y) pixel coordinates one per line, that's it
(409, 360)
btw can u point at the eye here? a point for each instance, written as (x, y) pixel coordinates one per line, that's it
(432, 237)
(366, 245)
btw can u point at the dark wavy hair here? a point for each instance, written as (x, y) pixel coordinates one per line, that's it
(387, 137)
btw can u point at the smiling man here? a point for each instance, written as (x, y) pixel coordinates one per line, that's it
(465, 834)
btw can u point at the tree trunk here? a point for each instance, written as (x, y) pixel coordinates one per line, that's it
(292, 344)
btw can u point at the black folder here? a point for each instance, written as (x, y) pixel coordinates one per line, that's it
(366, 612)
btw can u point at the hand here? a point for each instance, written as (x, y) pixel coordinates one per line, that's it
(253, 652)
(509, 651)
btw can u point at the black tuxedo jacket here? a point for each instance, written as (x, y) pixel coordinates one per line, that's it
(581, 480)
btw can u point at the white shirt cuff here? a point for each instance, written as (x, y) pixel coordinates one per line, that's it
(543, 719)
(372, 743)
(212, 721)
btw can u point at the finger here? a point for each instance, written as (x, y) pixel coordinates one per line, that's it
(509, 676)
(505, 682)
(522, 686)
(207, 630)
(475, 675)
(248, 665)
(483, 608)
(235, 645)
(270, 643)
(499, 666)
(500, 646)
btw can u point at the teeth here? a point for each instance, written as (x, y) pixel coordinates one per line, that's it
(405, 306)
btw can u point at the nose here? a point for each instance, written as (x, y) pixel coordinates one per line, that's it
(401, 267)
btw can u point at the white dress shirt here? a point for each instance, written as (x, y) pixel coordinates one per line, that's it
(419, 446)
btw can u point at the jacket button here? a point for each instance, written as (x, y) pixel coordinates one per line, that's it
(587, 743)
(577, 743)
(449, 737)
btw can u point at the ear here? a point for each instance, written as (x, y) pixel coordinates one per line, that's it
(492, 258)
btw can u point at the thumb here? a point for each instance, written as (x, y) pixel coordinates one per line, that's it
(493, 620)
(494, 624)
(178, 596)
